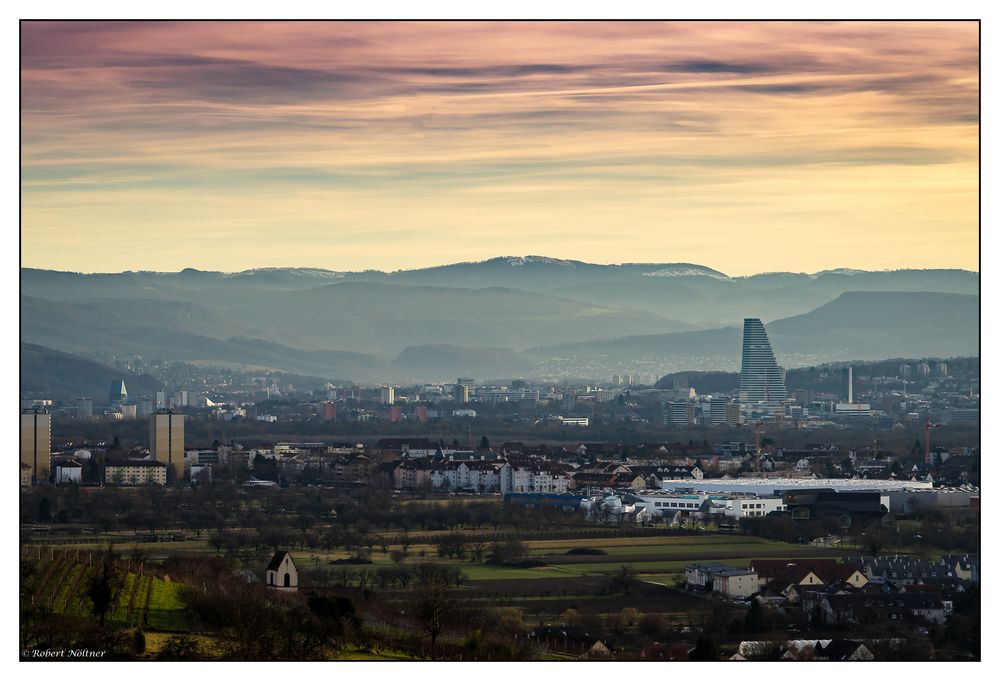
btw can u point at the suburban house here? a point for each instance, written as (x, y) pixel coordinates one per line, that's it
(281, 572)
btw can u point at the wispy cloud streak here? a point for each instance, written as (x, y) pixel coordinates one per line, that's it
(763, 140)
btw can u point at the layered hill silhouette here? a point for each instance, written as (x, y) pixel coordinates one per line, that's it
(66, 377)
(505, 317)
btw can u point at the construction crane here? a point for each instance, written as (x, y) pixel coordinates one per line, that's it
(756, 440)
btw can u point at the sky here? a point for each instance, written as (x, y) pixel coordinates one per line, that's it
(746, 146)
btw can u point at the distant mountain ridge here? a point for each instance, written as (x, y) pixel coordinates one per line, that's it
(530, 315)
(859, 325)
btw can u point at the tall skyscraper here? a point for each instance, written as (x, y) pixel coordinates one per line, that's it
(166, 440)
(36, 442)
(762, 381)
(461, 393)
(388, 396)
(847, 384)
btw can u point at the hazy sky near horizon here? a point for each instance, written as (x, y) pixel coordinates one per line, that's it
(746, 146)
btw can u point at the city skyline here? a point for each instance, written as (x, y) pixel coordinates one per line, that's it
(740, 146)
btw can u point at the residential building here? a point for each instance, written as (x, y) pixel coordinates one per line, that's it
(808, 572)
(144, 407)
(166, 440)
(136, 473)
(723, 412)
(724, 580)
(329, 411)
(541, 476)
(388, 395)
(36, 442)
(678, 414)
(735, 583)
(412, 474)
(84, 408)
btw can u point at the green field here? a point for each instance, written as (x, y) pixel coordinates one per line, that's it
(64, 585)
(489, 572)
(166, 610)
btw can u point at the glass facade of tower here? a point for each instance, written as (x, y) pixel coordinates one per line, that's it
(762, 381)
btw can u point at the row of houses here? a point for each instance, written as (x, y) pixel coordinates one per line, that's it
(841, 594)
(522, 475)
(496, 475)
(908, 570)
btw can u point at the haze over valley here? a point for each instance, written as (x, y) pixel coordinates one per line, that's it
(507, 317)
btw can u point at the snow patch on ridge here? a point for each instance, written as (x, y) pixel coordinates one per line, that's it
(685, 271)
